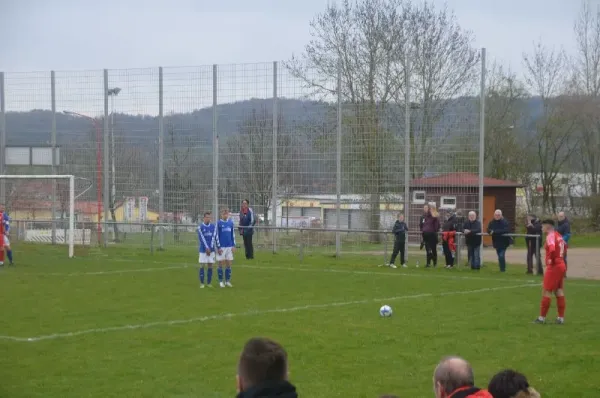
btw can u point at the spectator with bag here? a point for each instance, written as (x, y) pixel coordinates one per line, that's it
(534, 227)
(449, 239)
(431, 227)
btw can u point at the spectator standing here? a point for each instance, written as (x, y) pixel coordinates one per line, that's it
(564, 229)
(448, 239)
(421, 222)
(454, 378)
(498, 228)
(431, 227)
(472, 231)
(263, 371)
(399, 230)
(534, 227)
(511, 384)
(247, 223)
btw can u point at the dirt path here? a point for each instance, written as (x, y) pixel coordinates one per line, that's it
(583, 263)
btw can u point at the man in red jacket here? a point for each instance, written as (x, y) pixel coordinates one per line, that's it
(453, 378)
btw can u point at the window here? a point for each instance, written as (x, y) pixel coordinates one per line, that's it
(448, 202)
(418, 197)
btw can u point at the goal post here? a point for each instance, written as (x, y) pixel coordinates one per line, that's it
(29, 197)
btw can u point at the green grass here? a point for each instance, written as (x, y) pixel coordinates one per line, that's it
(327, 320)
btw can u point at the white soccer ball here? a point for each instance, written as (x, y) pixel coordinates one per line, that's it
(385, 311)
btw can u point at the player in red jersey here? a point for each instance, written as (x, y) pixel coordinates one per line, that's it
(555, 273)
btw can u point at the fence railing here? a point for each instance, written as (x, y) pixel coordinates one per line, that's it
(298, 241)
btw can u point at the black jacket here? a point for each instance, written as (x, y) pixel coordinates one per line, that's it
(498, 229)
(564, 229)
(421, 222)
(449, 224)
(281, 389)
(534, 229)
(473, 238)
(399, 230)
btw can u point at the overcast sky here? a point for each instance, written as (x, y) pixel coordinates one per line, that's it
(41, 35)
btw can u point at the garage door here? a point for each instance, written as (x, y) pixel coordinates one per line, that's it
(293, 212)
(311, 212)
(330, 219)
(359, 219)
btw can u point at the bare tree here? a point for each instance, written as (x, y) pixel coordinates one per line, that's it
(507, 149)
(371, 40)
(443, 68)
(587, 96)
(555, 141)
(248, 163)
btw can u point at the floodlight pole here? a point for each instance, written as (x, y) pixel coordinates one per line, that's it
(98, 168)
(112, 93)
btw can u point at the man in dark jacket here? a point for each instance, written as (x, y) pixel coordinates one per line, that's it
(431, 227)
(454, 378)
(472, 231)
(498, 228)
(263, 371)
(399, 230)
(247, 222)
(564, 229)
(448, 239)
(534, 227)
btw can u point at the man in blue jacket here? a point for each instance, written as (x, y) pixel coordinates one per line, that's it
(247, 222)
(498, 229)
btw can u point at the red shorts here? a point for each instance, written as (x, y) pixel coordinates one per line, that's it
(554, 277)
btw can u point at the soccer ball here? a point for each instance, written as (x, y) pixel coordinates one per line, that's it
(385, 311)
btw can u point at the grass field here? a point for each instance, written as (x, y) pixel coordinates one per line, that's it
(124, 323)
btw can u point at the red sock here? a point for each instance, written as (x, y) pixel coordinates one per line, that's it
(1, 256)
(545, 306)
(560, 302)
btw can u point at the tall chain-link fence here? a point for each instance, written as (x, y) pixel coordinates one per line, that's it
(154, 149)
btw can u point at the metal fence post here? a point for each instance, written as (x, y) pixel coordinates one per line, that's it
(482, 140)
(106, 159)
(53, 144)
(275, 159)
(215, 132)
(538, 262)
(338, 157)
(2, 138)
(161, 161)
(407, 145)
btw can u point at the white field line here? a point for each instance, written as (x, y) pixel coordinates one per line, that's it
(398, 273)
(251, 313)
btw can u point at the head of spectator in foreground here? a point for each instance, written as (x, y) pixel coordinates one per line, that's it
(453, 377)
(263, 370)
(548, 225)
(472, 216)
(510, 384)
(498, 215)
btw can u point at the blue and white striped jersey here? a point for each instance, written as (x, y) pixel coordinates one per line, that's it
(206, 237)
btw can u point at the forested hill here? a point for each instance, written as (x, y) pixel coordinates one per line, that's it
(34, 127)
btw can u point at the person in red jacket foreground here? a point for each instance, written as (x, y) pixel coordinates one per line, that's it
(453, 378)
(554, 276)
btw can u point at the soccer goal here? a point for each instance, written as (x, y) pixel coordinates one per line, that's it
(42, 209)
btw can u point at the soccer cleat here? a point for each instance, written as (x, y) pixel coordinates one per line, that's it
(222, 284)
(202, 286)
(450, 266)
(209, 286)
(560, 321)
(228, 284)
(393, 266)
(540, 320)
(404, 266)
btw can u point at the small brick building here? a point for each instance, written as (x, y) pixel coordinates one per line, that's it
(460, 192)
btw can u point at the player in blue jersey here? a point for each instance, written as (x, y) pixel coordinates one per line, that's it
(206, 238)
(6, 222)
(225, 247)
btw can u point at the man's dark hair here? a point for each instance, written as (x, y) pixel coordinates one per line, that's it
(507, 384)
(247, 201)
(453, 373)
(549, 221)
(262, 360)
(207, 213)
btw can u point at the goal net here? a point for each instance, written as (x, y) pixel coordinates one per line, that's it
(43, 210)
